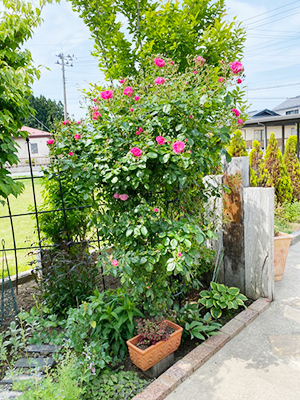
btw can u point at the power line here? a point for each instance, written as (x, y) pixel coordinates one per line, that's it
(278, 19)
(274, 9)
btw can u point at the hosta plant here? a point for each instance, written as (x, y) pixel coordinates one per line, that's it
(221, 298)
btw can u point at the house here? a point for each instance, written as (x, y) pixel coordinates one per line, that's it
(37, 144)
(283, 120)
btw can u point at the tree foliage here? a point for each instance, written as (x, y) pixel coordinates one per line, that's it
(126, 32)
(237, 147)
(17, 74)
(292, 164)
(46, 113)
(255, 159)
(274, 172)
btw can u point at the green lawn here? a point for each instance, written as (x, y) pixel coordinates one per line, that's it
(24, 226)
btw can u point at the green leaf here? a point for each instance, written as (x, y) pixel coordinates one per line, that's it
(93, 324)
(233, 291)
(115, 179)
(152, 155)
(174, 243)
(166, 158)
(215, 313)
(144, 231)
(129, 232)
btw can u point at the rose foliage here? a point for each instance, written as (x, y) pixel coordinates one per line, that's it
(145, 161)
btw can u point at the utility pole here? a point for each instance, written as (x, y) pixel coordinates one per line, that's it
(65, 61)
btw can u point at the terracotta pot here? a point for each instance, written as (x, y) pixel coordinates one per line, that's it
(281, 248)
(145, 359)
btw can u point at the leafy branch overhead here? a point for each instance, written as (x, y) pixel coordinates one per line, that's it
(126, 32)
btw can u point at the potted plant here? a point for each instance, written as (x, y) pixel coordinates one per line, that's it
(282, 242)
(156, 340)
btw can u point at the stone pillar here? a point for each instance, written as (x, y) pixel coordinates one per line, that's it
(236, 176)
(259, 242)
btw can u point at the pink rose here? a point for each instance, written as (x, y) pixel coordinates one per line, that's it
(155, 210)
(169, 142)
(159, 62)
(95, 108)
(160, 140)
(221, 79)
(137, 132)
(240, 121)
(159, 81)
(239, 80)
(71, 153)
(128, 91)
(186, 83)
(131, 110)
(141, 130)
(200, 60)
(77, 136)
(236, 112)
(172, 62)
(136, 152)
(116, 195)
(195, 72)
(186, 139)
(178, 147)
(50, 141)
(122, 81)
(191, 117)
(147, 287)
(106, 94)
(96, 115)
(236, 67)
(179, 254)
(123, 197)
(115, 263)
(136, 98)
(78, 122)
(95, 100)
(66, 122)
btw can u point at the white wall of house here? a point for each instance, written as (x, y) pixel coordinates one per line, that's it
(38, 147)
(257, 133)
(289, 111)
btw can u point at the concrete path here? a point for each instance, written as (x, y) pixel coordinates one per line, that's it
(263, 361)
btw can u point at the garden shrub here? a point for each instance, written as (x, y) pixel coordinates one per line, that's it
(292, 165)
(274, 172)
(255, 159)
(237, 147)
(69, 276)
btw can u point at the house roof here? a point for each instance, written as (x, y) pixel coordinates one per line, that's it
(33, 132)
(262, 113)
(277, 120)
(289, 103)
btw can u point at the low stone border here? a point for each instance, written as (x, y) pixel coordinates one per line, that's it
(23, 277)
(179, 372)
(296, 237)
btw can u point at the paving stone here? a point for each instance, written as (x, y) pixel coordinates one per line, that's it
(198, 356)
(247, 316)
(38, 362)
(292, 313)
(7, 395)
(285, 345)
(233, 327)
(155, 391)
(9, 378)
(260, 305)
(217, 341)
(43, 349)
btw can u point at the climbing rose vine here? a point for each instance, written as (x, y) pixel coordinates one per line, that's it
(145, 159)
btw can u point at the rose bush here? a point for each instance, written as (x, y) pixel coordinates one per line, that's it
(153, 154)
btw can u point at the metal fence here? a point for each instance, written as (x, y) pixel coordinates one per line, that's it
(36, 213)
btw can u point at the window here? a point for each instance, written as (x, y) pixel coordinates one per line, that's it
(293, 131)
(292, 112)
(34, 148)
(258, 135)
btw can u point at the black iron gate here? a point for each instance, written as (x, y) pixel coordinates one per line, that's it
(36, 212)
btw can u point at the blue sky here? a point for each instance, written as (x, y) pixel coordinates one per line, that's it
(271, 57)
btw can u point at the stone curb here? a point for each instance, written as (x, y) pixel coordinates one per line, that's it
(180, 371)
(296, 237)
(23, 277)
